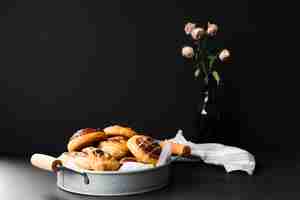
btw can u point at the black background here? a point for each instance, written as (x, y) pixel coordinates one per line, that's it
(69, 64)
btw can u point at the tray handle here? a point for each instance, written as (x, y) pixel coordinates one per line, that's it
(86, 179)
(53, 164)
(45, 162)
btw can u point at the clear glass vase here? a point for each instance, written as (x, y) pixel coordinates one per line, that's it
(207, 115)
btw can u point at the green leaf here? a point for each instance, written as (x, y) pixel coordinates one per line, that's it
(216, 76)
(188, 19)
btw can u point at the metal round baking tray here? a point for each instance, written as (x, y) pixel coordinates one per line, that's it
(113, 183)
(107, 183)
(104, 183)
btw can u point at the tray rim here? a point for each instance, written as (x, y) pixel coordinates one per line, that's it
(118, 172)
(115, 194)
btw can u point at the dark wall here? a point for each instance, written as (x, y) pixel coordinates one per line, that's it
(70, 64)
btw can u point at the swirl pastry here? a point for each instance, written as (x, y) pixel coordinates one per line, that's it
(115, 146)
(144, 148)
(117, 130)
(101, 161)
(83, 138)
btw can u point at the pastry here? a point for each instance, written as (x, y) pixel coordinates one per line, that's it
(115, 146)
(128, 159)
(144, 148)
(177, 149)
(117, 130)
(80, 159)
(101, 161)
(84, 138)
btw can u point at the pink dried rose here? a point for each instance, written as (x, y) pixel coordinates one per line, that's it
(197, 33)
(189, 27)
(187, 52)
(212, 29)
(224, 55)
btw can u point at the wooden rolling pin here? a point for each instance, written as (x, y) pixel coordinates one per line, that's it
(177, 149)
(45, 162)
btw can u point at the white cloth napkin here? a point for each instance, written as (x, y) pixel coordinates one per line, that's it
(134, 166)
(232, 158)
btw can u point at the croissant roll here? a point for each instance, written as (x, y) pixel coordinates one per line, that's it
(178, 149)
(115, 146)
(144, 148)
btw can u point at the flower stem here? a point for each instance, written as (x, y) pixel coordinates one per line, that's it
(211, 62)
(203, 68)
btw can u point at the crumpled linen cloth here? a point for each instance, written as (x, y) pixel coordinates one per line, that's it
(231, 158)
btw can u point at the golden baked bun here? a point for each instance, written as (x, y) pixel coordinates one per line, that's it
(115, 146)
(83, 138)
(101, 161)
(80, 159)
(117, 130)
(144, 148)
